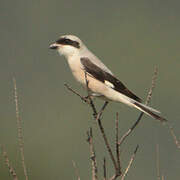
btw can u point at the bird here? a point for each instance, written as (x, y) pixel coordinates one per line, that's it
(102, 83)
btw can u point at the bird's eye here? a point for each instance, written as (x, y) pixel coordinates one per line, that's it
(67, 41)
(63, 41)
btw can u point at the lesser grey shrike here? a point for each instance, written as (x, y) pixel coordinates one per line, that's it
(101, 81)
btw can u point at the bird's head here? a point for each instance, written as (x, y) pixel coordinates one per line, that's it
(67, 45)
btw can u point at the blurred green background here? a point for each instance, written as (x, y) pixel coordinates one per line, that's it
(131, 37)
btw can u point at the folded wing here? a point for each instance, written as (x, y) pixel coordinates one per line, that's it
(106, 78)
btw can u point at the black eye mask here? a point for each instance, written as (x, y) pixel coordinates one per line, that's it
(70, 42)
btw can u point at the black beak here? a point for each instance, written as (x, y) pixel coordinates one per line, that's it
(53, 46)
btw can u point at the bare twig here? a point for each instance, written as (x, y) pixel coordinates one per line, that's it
(93, 155)
(76, 170)
(70, 89)
(118, 168)
(130, 163)
(149, 96)
(153, 84)
(117, 145)
(87, 99)
(11, 169)
(113, 177)
(97, 116)
(98, 119)
(162, 178)
(20, 134)
(157, 162)
(104, 169)
(177, 143)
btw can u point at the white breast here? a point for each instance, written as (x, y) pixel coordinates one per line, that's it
(77, 69)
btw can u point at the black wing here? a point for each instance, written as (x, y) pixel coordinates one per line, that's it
(105, 77)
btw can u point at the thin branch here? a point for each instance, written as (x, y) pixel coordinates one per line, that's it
(11, 169)
(76, 170)
(113, 177)
(157, 162)
(123, 138)
(162, 177)
(93, 155)
(93, 107)
(117, 145)
(177, 143)
(20, 133)
(153, 85)
(118, 170)
(97, 117)
(70, 89)
(104, 169)
(87, 99)
(130, 163)
(149, 96)
(98, 120)
(101, 110)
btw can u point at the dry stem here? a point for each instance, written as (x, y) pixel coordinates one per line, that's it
(177, 143)
(76, 170)
(20, 134)
(104, 169)
(149, 96)
(11, 169)
(130, 163)
(157, 162)
(118, 143)
(93, 155)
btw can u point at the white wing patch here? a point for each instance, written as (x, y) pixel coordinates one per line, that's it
(109, 84)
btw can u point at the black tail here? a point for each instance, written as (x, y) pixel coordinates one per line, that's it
(149, 112)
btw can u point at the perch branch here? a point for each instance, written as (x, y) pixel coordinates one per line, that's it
(97, 117)
(98, 120)
(73, 91)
